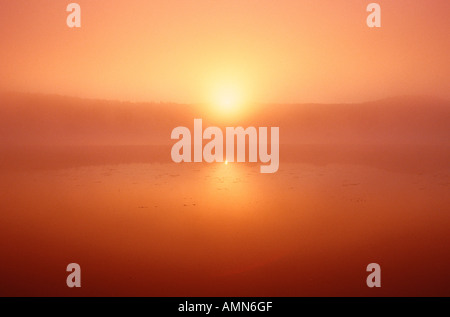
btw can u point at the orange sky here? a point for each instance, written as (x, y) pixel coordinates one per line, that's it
(188, 50)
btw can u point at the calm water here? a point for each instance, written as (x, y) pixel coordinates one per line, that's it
(198, 229)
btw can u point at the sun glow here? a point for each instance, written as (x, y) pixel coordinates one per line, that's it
(229, 95)
(228, 99)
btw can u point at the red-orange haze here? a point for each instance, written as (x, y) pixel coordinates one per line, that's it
(86, 174)
(186, 50)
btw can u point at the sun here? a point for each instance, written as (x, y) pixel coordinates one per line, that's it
(228, 99)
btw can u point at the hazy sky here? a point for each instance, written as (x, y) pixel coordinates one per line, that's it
(190, 50)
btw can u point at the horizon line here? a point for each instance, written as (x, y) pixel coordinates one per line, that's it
(87, 98)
